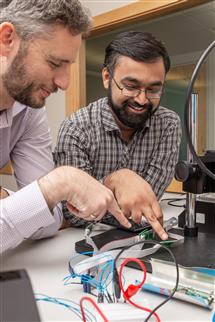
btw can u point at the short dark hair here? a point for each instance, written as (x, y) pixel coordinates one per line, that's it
(32, 18)
(138, 45)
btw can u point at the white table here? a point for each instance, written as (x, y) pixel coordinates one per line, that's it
(46, 262)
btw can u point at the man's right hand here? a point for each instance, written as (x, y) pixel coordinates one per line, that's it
(136, 198)
(86, 197)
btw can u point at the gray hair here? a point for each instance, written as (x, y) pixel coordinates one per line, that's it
(33, 18)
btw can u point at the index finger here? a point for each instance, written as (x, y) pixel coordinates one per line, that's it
(118, 214)
(158, 211)
(154, 222)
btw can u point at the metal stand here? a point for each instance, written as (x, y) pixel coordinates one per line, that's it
(190, 228)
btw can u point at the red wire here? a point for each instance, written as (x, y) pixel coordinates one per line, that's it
(86, 298)
(125, 293)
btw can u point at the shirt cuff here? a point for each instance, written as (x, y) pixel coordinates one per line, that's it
(27, 211)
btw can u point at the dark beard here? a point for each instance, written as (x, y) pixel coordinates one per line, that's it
(129, 119)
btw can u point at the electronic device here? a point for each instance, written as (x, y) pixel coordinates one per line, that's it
(193, 252)
(135, 227)
(115, 238)
(17, 300)
(102, 239)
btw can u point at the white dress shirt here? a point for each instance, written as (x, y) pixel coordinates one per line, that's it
(25, 140)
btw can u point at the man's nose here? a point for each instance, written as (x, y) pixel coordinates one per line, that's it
(141, 98)
(62, 79)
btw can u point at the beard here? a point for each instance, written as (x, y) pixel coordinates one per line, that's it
(18, 83)
(129, 118)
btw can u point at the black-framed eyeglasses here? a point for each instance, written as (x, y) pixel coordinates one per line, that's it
(128, 91)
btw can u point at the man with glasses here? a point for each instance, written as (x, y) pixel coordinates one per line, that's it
(127, 140)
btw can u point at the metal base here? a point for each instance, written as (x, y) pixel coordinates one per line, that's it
(190, 232)
(206, 212)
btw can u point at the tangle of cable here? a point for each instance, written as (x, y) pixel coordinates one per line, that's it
(116, 277)
(100, 279)
(133, 289)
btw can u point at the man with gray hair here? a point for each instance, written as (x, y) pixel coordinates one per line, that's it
(39, 40)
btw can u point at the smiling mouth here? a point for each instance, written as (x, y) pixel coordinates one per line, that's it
(137, 108)
(45, 92)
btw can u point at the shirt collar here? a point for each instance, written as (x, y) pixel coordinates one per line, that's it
(107, 117)
(6, 117)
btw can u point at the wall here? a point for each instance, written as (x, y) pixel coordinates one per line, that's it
(107, 5)
(56, 103)
(55, 106)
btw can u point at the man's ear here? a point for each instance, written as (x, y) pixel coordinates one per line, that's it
(105, 77)
(8, 38)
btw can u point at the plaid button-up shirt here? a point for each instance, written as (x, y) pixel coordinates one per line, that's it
(91, 140)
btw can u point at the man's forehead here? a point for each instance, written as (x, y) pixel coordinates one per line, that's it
(126, 61)
(128, 69)
(63, 50)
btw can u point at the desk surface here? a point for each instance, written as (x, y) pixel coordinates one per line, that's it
(47, 264)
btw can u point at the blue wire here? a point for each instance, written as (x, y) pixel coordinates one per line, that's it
(59, 301)
(97, 284)
(55, 301)
(108, 265)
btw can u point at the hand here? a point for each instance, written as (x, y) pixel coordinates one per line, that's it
(136, 198)
(86, 197)
(3, 193)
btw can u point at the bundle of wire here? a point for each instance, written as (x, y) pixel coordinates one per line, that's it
(101, 279)
(98, 277)
(70, 305)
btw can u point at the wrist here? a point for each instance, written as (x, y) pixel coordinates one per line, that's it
(53, 186)
(115, 178)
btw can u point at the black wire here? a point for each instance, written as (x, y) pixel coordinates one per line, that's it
(168, 199)
(176, 266)
(170, 202)
(187, 110)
